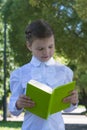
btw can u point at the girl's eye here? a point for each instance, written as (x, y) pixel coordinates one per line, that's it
(50, 46)
(40, 49)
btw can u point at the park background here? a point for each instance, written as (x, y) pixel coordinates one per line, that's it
(68, 19)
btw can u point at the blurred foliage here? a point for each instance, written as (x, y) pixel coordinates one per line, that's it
(82, 82)
(81, 8)
(9, 56)
(60, 14)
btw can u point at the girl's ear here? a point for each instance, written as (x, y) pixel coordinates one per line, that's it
(29, 46)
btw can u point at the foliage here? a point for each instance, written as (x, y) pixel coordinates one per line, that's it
(81, 8)
(9, 57)
(82, 82)
(18, 22)
(61, 15)
(1, 55)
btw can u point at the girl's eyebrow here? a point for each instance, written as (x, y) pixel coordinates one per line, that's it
(39, 46)
(51, 44)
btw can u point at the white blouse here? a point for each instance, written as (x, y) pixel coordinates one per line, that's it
(51, 73)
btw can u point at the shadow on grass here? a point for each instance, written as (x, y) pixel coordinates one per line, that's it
(11, 124)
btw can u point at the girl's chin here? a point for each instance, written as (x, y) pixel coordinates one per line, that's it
(44, 59)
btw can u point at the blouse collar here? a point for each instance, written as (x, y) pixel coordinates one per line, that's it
(34, 61)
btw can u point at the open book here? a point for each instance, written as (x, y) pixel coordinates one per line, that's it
(47, 100)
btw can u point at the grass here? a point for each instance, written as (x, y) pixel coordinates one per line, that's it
(10, 125)
(83, 113)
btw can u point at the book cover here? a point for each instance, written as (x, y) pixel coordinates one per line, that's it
(47, 100)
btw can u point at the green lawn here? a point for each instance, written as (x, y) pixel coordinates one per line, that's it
(10, 125)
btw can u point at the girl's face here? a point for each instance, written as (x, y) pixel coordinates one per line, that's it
(42, 49)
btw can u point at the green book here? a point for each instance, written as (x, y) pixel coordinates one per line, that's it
(47, 100)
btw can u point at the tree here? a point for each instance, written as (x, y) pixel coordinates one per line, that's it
(8, 59)
(61, 15)
(82, 82)
(18, 14)
(1, 56)
(81, 9)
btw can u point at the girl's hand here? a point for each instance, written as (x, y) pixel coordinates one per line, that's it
(73, 98)
(24, 101)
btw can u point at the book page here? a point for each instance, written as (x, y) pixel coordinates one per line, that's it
(41, 86)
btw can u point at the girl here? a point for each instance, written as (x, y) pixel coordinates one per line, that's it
(43, 68)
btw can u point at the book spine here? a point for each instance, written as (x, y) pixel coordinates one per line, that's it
(50, 104)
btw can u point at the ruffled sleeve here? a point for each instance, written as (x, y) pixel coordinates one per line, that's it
(69, 74)
(69, 78)
(16, 90)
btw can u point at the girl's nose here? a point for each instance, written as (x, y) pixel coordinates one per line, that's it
(46, 51)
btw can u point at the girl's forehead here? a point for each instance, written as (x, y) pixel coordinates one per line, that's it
(48, 40)
(43, 44)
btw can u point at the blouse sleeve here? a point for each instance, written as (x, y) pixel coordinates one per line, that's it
(16, 91)
(69, 74)
(69, 78)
